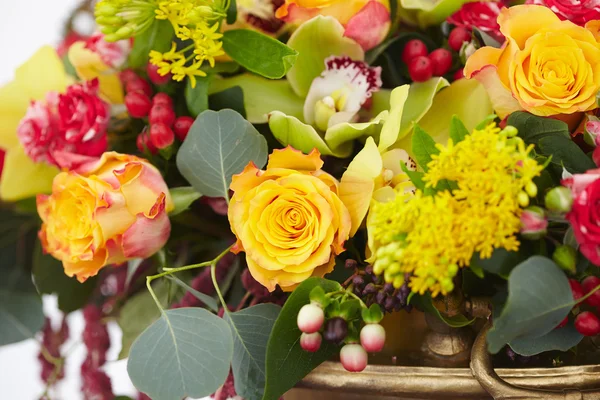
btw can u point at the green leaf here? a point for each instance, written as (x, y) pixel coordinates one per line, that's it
(259, 53)
(532, 128)
(502, 262)
(557, 339)
(209, 301)
(425, 303)
(49, 278)
(183, 197)
(290, 131)
(251, 329)
(232, 12)
(196, 98)
(186, 353)
(391, 128)
(486, 121)
(539, 297)
(157, 37)
(423, 147)
(287, 363)
(329, 34)
(458, 132)
(232, 98)
(416, 177)
(219, 145)
(262, 96)
(566, 154)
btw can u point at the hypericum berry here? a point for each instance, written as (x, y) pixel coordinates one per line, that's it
(563, 323)
(442, 61)
(155, 77)
(354, 358)
(457, 37)
(372, 338)
(420, 69)
(534, 223)
(162, 98)
(459, 74)
(138, 104)
(565, 257)
(576, 289)
(310, 318)
(161, 136)
(587, 324)
(182, 126)
(413, 49)
(559, 200)
(589, 284)
(161, 114)
(144, 143)
(139, 85)
(310, 342)
(336, 330)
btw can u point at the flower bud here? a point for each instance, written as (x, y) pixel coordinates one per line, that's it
(559, 200)
(592, 132)
(533, 223)
(336, 330)
(372, 338)
(310, 318)
(353, 357)
(310, 342)
(566, 258)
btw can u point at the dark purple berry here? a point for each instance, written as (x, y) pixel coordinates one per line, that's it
(336, 330)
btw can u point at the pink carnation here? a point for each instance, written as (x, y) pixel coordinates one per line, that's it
(577, 11)
(482, 15)
(113, 54)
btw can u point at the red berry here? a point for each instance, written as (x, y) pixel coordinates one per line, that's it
(182, 126)
(587, 324)
(442, 61)
(155, 77)
(144, 144)
(457, 37)
(459, 74)
(353, 357)
(413, 49)
(372, 338)
(563, 323)
(161, 135)
(420, 69)
(576, 289)
(139, 85)
(310, 342)
(160, 113)
(162, 98)
(138, 104)
(589, 284)
(128, 75)
(310, 318)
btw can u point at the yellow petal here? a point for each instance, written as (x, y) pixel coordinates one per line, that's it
(13, 106)
(521, 22)
(291, 158)
(42, 73)
(22, 178)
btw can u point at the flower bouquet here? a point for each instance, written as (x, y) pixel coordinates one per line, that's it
(252, 188)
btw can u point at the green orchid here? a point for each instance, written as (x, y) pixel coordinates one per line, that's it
(425, 13)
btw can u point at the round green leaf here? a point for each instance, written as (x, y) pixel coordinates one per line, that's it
(183, 197)
(561, 339)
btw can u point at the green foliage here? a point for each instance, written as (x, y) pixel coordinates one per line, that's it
(458, 132)
(157, 37)
(287, 363)
(232, 98)
(209, 301)
(196, 98)
(539, 297)
(416, 177)
(219, 145)
(251, 329)
(502, 262)
(232, 12)
(423, 147)
(425, 303)
(183, 197)
(187, 352)
(259, 53)
(557, 339)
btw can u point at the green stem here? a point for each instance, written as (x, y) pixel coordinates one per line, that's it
(213, 275)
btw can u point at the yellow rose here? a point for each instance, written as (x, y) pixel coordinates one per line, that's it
(546, 66)
(110, 210)
(288, 219)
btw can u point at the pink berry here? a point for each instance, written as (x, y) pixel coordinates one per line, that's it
(413, 49)
(144, 144)
(162, 98)
(372, 338)
(563, 323)
(589, 284)
(310, 342)
(442, 61)
(459, 74)
(457, 37)
(310, 318)
(161, 135)
(128, 75)
(182, 126)
(420, 69)
(138, 104)
(161, 113)
(139, 85)
(576, 289)
(587, 324)
(155, 77)
(353, 357)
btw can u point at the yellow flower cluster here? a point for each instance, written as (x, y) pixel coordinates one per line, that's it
(430, 237)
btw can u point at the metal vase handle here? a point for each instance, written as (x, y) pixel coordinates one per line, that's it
(499, 389)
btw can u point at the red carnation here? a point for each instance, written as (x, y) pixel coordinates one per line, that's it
(577, 11)
(482, 15)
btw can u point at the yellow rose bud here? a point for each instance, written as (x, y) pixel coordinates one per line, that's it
(288, 219)
(108, 211)
(547, 66)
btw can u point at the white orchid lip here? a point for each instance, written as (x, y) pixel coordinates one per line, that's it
(341, 90)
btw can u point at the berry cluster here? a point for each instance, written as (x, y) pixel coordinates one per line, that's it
(338, 320)
(586, 322)
(141, 102)
(423, 65)
(96, 384)
(51, 342)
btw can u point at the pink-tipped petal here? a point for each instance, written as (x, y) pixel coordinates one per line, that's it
(370, 25)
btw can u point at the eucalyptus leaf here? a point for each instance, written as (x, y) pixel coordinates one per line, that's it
(186, 353)
(196, 98)
(209, 301)
(183, 197)
(219, 145)
(157, 37)
(251, 329)
(557, 339)
(259, 53)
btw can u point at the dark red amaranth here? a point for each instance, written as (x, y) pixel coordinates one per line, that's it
(52, 341)
(96, 385)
